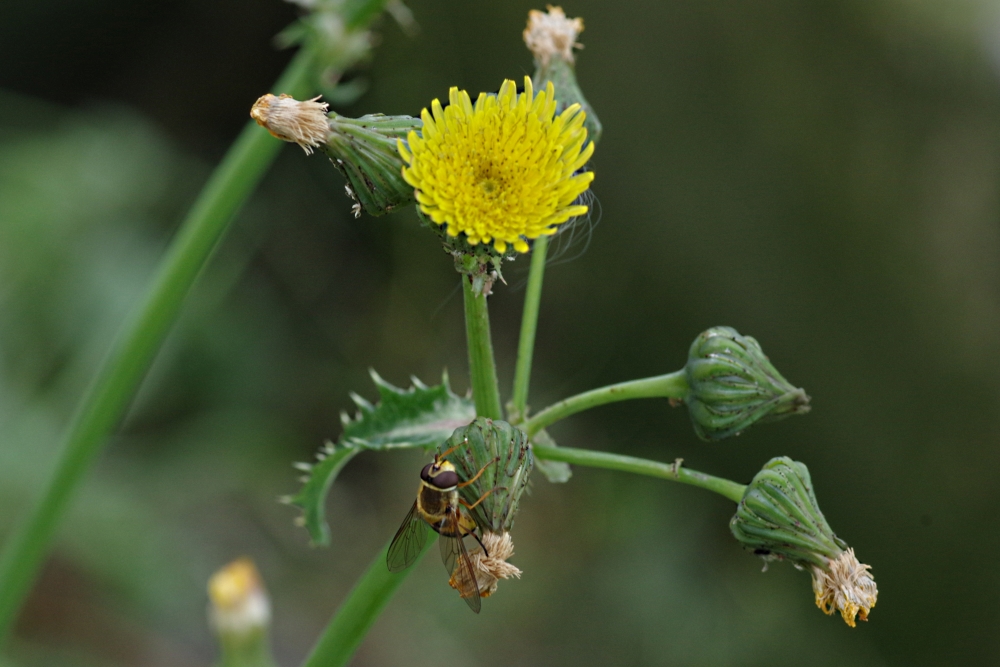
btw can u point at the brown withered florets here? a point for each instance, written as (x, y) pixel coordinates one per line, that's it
(552, 33)
(488, 569)
(304, 123)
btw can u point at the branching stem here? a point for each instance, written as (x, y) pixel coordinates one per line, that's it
(675, 472)
(529, 325)
(671, 385)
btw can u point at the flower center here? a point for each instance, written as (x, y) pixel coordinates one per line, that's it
(488, 185)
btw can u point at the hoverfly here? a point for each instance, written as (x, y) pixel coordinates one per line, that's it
(439, 505)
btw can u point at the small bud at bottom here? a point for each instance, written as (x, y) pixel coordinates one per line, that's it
(239, 603)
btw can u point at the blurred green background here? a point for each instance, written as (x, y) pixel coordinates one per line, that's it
(824, 176)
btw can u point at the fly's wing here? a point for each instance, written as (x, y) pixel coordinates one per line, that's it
(408, 542)
(463, 578)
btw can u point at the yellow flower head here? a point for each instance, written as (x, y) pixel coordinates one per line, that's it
(503, 170)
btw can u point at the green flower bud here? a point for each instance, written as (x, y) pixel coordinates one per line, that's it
(779, 518)
(733, 385)
(551, 37)
(364, 150)
(501, 451)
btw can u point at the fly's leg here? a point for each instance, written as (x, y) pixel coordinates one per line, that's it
(481, 499)
(481, 545)
(473, 505)
(440, 457)
(481, 471)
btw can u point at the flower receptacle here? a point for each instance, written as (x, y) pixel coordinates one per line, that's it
(365, 150)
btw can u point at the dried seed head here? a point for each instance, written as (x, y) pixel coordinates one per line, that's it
(845, 586)
(552, 34)
(239, 603)
(303, 123)
(488, 569)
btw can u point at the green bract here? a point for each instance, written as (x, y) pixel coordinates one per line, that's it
(733, 385)
(478, 445)
(780, 518)
(364, 150)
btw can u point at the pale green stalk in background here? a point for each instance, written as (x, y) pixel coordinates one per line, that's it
(109, 395)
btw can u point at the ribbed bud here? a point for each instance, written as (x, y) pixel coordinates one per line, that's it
(479, 445)
(733, 385)
(364, 150)
(779, 518)
(551, 38)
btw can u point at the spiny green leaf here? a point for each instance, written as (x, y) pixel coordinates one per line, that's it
(420, 416)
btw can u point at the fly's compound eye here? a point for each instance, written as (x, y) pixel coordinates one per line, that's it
(425, 474)
(445, 480)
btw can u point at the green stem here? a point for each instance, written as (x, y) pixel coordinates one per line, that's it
(675, 472)
(671, 385)
(354, 618)
(109, 395)
(245, 649)
(482, 367)
(529, 325)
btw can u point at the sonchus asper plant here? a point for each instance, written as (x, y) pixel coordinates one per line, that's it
(496, 175)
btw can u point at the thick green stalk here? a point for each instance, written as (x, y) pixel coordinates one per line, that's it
(354, 618)
(109, 395)
(672, 471)
(671, 385)
(529, 325)
(482, 367)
